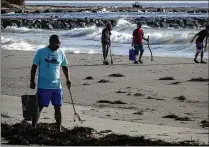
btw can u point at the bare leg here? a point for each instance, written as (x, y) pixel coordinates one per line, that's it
(202, 56)
(107, 50)
(104, 52)
(58, 117)
(140, 56)
(195, 59)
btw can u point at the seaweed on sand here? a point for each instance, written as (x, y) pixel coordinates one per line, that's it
(46, 134)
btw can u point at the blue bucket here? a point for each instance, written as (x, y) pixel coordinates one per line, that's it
(132, 55)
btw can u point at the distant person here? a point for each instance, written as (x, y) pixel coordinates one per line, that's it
(199, 43)
(138, 35)
(49, 60)
(105, 39)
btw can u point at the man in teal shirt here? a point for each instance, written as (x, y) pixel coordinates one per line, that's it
(49, 60)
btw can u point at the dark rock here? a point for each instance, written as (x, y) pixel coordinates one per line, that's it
(3, 11)
(47, 11)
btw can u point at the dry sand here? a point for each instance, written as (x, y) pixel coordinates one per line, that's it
(120, 118)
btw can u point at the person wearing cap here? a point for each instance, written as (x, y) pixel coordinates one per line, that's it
(138, 35)
(105, 39)
(49, 60)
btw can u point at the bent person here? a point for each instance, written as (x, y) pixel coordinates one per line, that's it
(199, 43)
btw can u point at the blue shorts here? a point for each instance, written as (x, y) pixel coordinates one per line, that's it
(138, 47)
(53, 95)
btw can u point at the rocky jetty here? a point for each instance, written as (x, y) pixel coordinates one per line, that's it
(65, 24)
(61, 23)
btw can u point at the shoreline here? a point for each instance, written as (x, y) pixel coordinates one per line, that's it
(119, 55)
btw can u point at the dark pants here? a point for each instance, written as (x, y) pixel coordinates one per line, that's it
(105, 50)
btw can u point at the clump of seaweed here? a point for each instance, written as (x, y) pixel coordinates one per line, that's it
(46, 134)
(116, 75)
(177, 117)
(166, 78)
(200, 79)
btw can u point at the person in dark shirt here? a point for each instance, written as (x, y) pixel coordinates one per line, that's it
(199, 43)
(105, 39)
(138, 35)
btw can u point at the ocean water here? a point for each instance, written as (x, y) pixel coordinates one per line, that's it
(163, 42)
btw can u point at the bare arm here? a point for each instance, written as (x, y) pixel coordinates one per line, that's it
(194, 37)
(65, 71)
(145, 38)
(32, 76)
(33, 72)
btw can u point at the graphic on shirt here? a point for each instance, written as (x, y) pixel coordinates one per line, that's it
(52, 59)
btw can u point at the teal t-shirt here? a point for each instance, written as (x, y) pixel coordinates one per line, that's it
(49, 67)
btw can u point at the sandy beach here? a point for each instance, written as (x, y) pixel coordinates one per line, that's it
(147, 100)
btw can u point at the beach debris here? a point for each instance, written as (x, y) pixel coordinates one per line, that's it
(204, 123)
(86, 84)
(166, 78)
(159, 99)
(175, 83)
(45, 118)
(103, 81)
(149, 97)
(118, 102)
(200, 79)
(111, 102)
(138, 94)
(152, 98)
(120, 91)
(177, 117)
(139, 112)
(89, 78)
(193, 101)
(105, 131)
(116, 75)
(47, 135)
(180, 98)
(5, 115)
